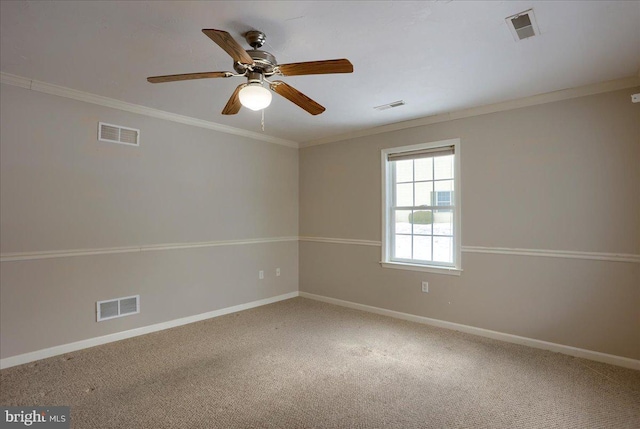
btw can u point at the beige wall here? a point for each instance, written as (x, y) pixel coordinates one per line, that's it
(61, 189)
(559, 176)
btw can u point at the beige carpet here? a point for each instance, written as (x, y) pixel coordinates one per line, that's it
(305, 364)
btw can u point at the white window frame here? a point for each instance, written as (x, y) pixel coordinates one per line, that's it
(387, 194)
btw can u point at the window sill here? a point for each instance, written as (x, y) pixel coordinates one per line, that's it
(424, 268)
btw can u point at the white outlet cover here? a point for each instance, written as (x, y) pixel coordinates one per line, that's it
(635, 98)
(261, 274)
(425, 287)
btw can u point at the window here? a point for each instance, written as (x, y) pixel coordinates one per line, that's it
(443, 198)
(421, 214)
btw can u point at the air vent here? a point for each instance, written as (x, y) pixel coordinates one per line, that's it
(390, 105)
(118, 134)
(523, 25)
(118, 307)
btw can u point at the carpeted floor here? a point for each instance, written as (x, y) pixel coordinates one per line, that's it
(305, 364)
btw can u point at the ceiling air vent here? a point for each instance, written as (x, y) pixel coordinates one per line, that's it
(118, 307)
(390, 105)
(118, 134)
(523, 25)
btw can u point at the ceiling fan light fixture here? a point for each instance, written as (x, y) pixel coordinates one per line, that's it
(254, 96)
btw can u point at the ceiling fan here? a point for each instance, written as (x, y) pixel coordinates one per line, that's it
(257, 66)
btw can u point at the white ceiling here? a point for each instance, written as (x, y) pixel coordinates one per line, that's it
(437, 56)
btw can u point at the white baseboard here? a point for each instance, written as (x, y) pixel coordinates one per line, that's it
(91, 342)
(538, 344)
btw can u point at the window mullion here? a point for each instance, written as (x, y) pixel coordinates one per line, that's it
(392, 228)
(413, 185)
(434, 202)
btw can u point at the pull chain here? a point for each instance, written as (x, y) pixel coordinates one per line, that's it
(262, 123)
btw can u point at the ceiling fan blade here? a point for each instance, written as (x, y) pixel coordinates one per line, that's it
(295, 96)
(228, 43)
(187, 76)
(317, 67)
(233, 105)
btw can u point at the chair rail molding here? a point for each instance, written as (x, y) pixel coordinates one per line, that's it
(570, 254)
(25, 256)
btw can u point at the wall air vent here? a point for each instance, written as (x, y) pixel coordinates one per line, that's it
(390, 105)
(118, 134)
(523, 25)
(118, 307)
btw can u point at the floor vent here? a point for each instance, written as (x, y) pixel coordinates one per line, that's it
(523, 25)
(118, 307)
(118, 134)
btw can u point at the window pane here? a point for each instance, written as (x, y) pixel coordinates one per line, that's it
(423, 193)
(422, 248)
(443, 198)
(443, 249)
(443, 222)
(443, 167)
(422, 222)
(443, 195)
(424, 169)
(404, 195)
(403, 247)
(444, 185)
(404, 170)
(402, 224)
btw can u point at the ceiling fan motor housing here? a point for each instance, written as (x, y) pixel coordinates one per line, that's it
(255, 39)
(254, 77)
(262, 60)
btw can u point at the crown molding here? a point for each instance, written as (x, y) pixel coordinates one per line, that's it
(61, 91)
(549, 97)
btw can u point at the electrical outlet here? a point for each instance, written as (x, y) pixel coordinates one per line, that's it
(277, 272)
(425, 287)
(261, 274)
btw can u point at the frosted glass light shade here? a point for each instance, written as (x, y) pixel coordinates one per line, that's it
(255, 97)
